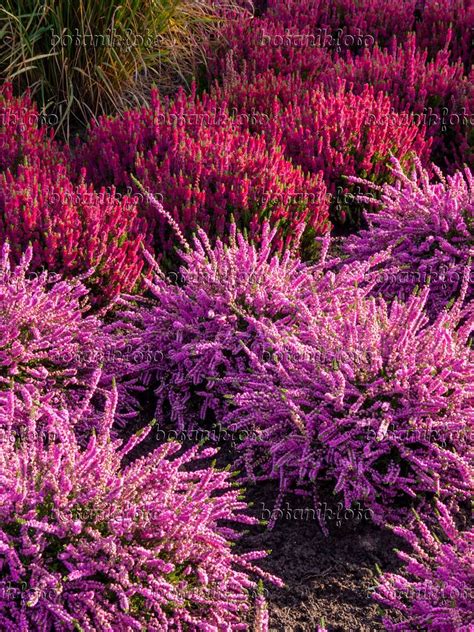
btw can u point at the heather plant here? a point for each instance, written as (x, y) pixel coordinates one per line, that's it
(333, 130)
(343, 134)
(435, 590)
(386, 420)
(230, 300)
(436, 24)
(232, 307)
(433, 92)
(47, 341)
(93, 539)
(73, 228)
(207, 169)
(263, 44)
(24, 136)
(268, 62)
(429, 229)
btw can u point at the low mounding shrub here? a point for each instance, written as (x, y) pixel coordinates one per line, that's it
(343, 134)
(254, 343)
(229, 302)
(22, 137)
(436, 24)
(207, 169)
(435, 93)
(46, 339)
(73, 228)
(387, 419)
(262, 44)
(429, 229)
(231, 306)
(329, 130)
(87, 543)
(436, 589)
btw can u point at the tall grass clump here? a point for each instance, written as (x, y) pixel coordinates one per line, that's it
(81, 59)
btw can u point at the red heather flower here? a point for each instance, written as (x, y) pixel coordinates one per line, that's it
(336, 133)
(46, 340)
(436, 588)
(343, 134)
(22, 138)
(436, 24)
(429, 229)
(388, 418)
(261, 44)
(434, 93)
(87, 543)
(72, 228)
(207, 169)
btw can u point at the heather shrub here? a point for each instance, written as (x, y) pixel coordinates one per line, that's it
(432, 92)
(73, 228)
(429, 229)
(23, 137)
(436, 588)
(386, 420)
(231, 308)
(92, 540)
(436, 24)
(46, 338)
(207, 169)
(343, 134)
(229, 301)
(263, 44)
(333, 131)
(269, 63)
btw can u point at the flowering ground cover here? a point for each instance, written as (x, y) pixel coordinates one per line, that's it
(236, 323)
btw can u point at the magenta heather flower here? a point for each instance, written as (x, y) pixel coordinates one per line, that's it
(207, 169)
(89, 543)
(387, 418)
(22, 138)
(429, 229)
(46, 338)
(73, 228)
(436, 588)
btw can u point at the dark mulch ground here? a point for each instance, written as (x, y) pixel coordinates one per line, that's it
(326, 577)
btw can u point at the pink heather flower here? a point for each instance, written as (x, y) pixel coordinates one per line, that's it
(233, 305)
(208, 171)
(261, 615)
(387, 418)
(47, 340)
(254, 343)
(429, 229)
(435, 590)
(89, 543)
(72, 228)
